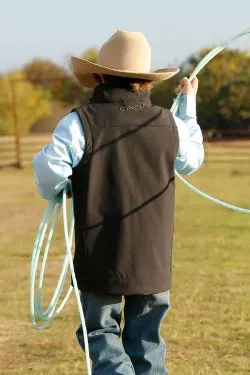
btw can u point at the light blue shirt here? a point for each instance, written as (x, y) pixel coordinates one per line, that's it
(53, 164)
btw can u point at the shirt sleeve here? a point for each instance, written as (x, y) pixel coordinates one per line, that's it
(191, 151)
(53, 164)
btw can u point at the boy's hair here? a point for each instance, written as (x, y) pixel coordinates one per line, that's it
(133, 84)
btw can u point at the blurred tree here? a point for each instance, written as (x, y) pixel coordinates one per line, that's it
(56, 80)
(91, 54)
(224, 90)
(49, 75)
(31, 103)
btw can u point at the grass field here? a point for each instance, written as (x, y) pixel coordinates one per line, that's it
(208, 327)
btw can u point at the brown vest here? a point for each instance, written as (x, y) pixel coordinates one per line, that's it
(124, 190)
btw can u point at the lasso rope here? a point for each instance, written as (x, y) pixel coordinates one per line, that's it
(176, 103)
(51, 214)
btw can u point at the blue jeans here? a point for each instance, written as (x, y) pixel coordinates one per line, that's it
(141, 351)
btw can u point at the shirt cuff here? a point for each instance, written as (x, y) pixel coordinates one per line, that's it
(187, 106)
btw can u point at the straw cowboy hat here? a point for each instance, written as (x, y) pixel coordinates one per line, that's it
(125, 54)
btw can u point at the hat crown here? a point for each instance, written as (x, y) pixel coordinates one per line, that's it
(129, 51)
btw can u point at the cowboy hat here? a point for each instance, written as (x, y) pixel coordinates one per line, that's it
(125, 54)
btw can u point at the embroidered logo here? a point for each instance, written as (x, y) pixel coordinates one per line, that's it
(135, 107)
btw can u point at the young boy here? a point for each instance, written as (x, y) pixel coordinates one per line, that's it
(120, 153)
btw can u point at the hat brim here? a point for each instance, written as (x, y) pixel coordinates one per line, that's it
(84, 71)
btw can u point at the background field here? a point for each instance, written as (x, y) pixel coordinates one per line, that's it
(208, 328)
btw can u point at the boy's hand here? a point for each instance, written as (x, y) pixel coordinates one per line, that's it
(186, 87)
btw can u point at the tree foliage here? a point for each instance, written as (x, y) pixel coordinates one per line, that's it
(224, 89)
(91, 54)
(31, 103)
(56, 80)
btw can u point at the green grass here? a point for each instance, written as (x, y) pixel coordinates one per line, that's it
(208, 327)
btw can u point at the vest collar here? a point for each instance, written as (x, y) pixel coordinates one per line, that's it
(108, 94)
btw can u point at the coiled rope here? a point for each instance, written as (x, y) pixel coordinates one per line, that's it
(51, 215)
